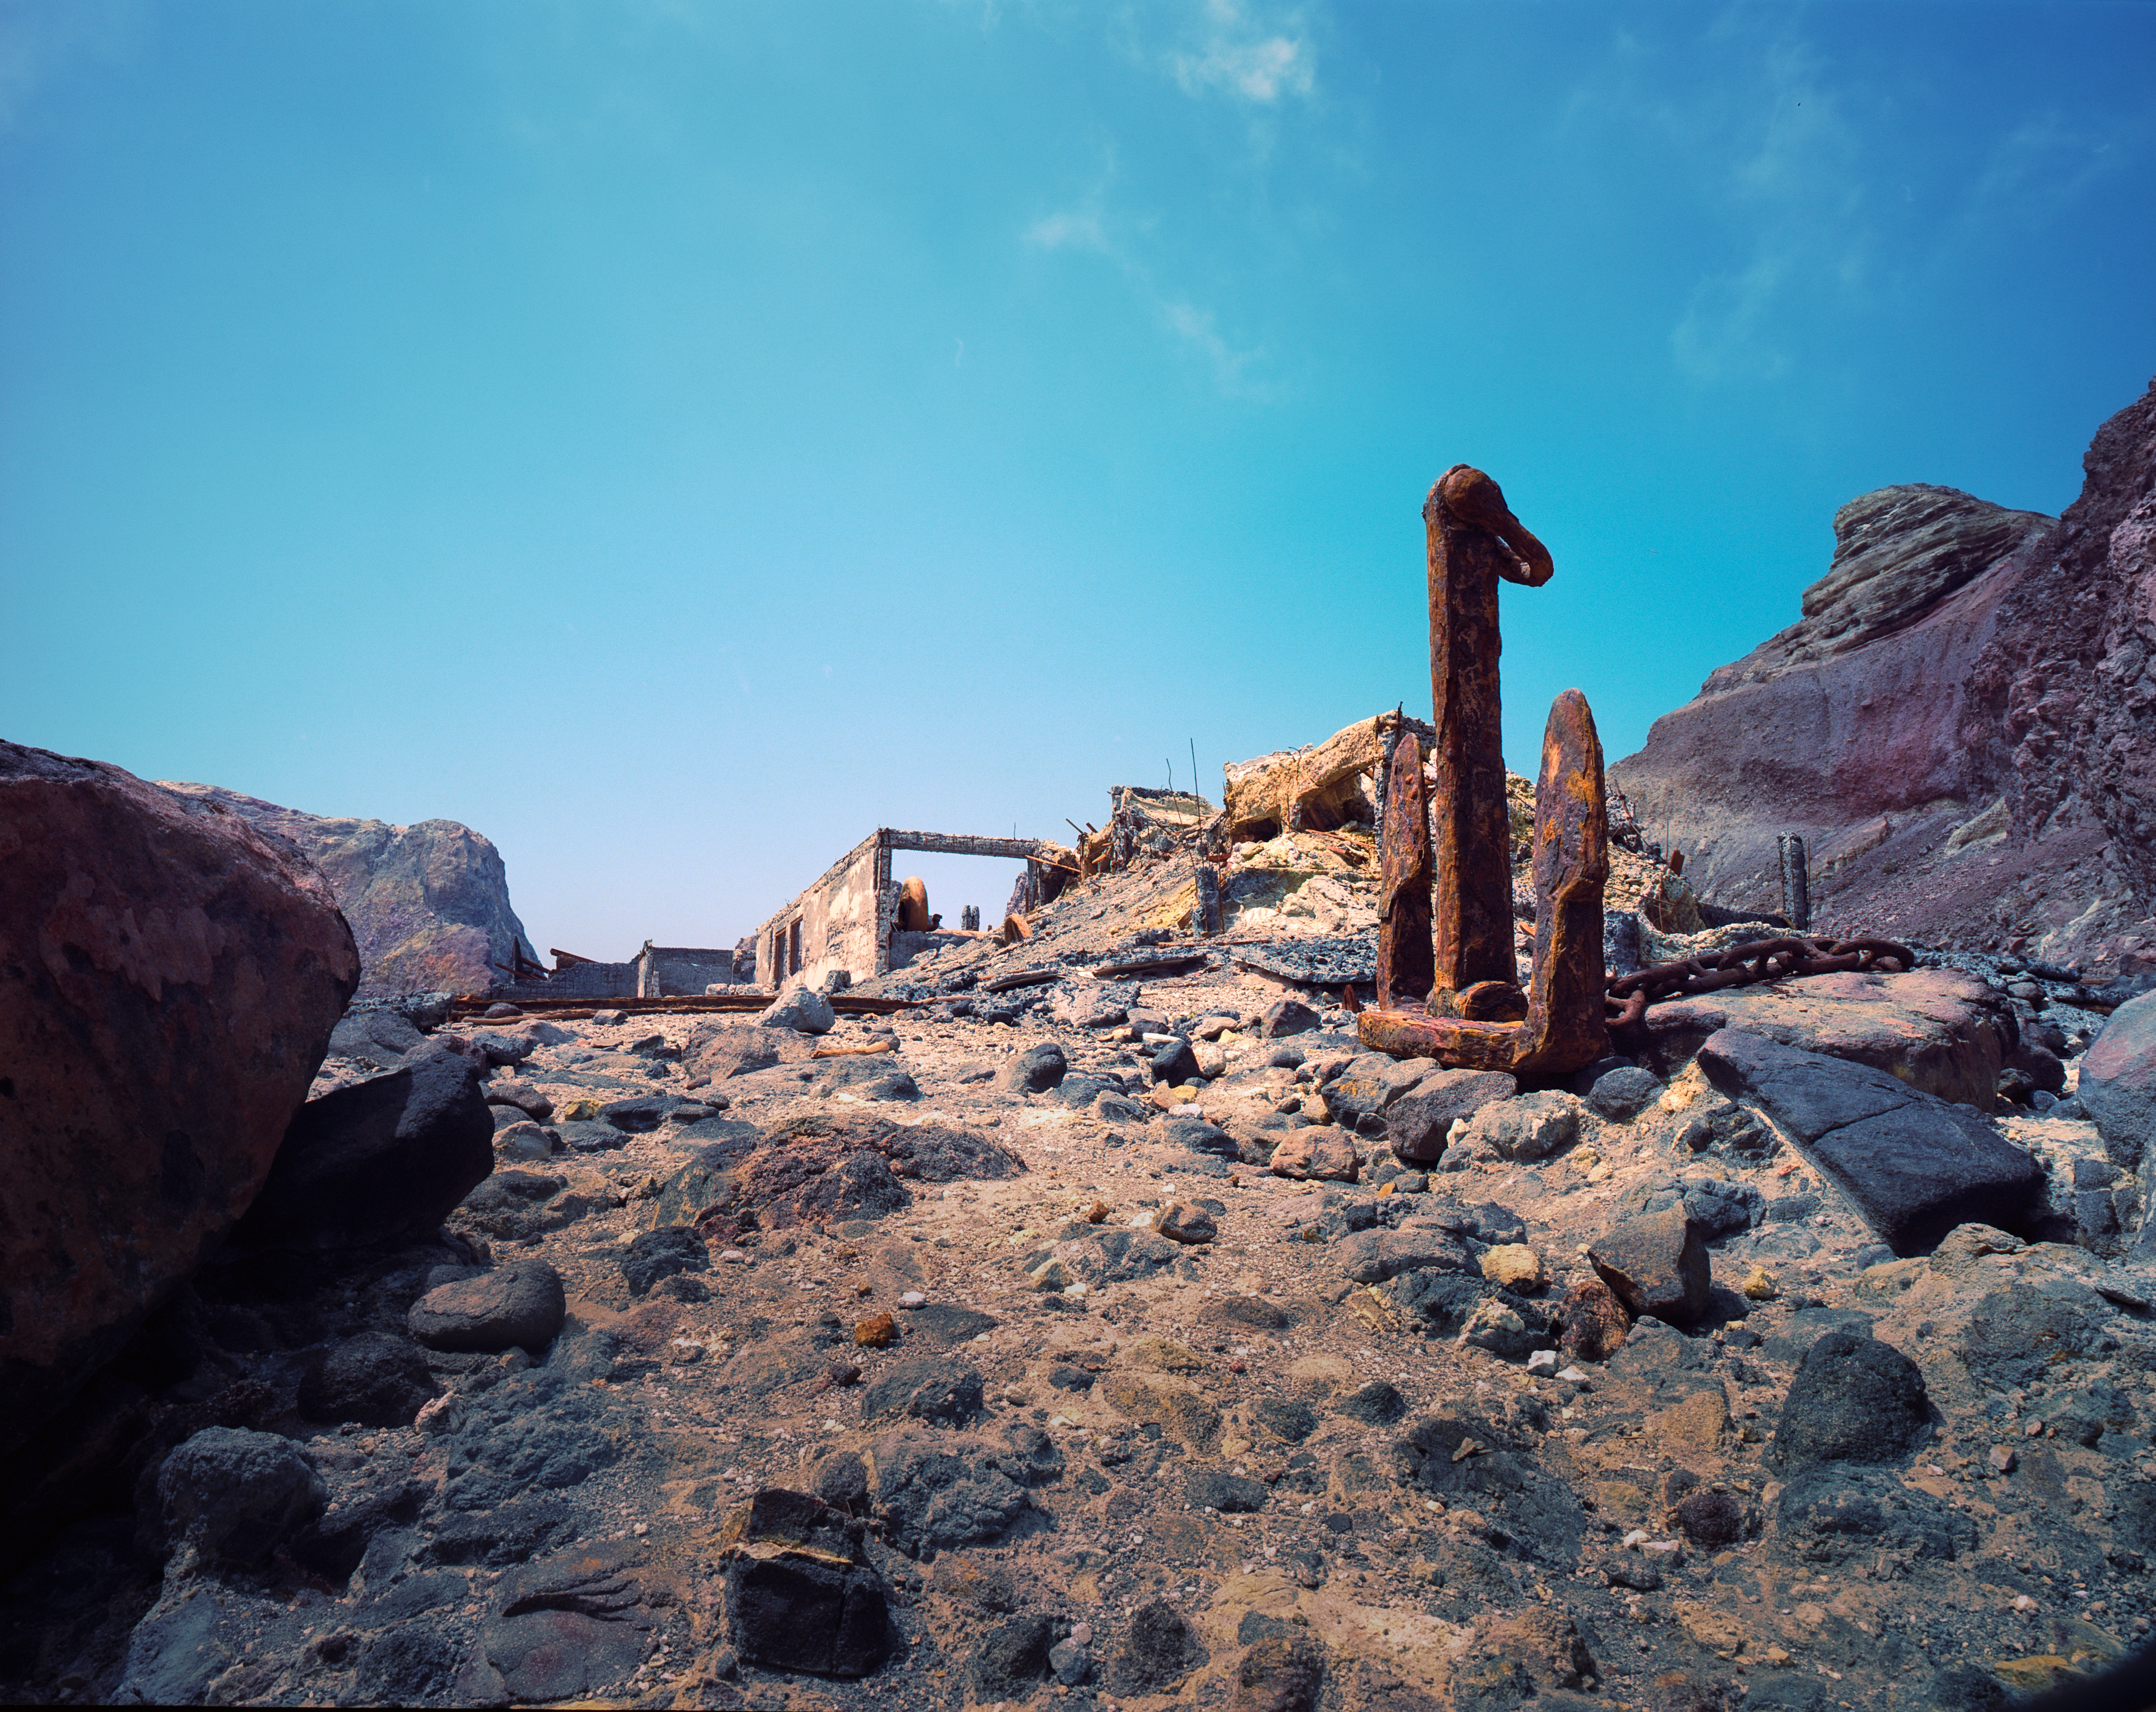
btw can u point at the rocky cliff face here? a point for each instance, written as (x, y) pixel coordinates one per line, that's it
(1958, 726)
(429, 902)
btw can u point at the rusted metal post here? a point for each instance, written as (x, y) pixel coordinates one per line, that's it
(1796, 884)
(1474, 541)
(1406, 968)
(1565, 1027)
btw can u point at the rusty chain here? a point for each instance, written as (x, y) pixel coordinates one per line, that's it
(1627, 996)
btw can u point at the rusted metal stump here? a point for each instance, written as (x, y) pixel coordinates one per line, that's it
(1447, 984)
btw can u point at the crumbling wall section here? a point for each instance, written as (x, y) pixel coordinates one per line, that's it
(838, 922)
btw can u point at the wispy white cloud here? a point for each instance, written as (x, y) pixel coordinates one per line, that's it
(1086, 230)
(1226, 50)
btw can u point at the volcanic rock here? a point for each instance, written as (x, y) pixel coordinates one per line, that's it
(429, 902)
(377, 1159)
(520, 1305)
(169, 977)
(1655, 1264)
(1914, 1165)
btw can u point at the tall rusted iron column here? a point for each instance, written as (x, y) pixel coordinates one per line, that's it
(1404, 968)
(1474, 541)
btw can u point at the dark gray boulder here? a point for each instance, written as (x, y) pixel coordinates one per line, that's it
(1853, 1400)
(1159, 1649)
(377, 1160)
(1915, 1165)
(519, 1305)
(230, 1493)
(374, 1379)
(1034, 1070)
(1416, 1124)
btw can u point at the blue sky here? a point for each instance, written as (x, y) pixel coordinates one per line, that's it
(676, 438)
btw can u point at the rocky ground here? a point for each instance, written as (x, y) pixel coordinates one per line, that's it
(1121, 1359)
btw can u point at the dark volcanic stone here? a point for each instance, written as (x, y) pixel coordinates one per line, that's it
(1034, 1070)
(1712, 1520)
(1290, 1418)
(1280, 1674)
(376, 1159)
(521, 1304)
(1010, 1661)
(661, 1253)
(1174, 1064)
(1232, 1494)
(841, 1480)
(1593, 1322)
(1376, 1403)
(927, 1389)
(510, 1532)
(374, 1379)
(1416, 1126)
(948, 1489)
(1916, 1166)
(1655, 1264)
(1287, 1016)
(567, 1626)
(1853, 1400)
(235, 1494)
(796, 1613)
(641, 1115)
(1160, 1648)
(407, 1666)
(1619, 1096)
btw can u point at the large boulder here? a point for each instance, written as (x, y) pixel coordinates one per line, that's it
(429, 902)
(1915, 1165)
(381, 1159)
(2118, 1080)
(233, 1494)
(169, 978)
(1936, 1029)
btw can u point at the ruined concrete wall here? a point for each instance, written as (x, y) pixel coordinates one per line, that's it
(832, 925)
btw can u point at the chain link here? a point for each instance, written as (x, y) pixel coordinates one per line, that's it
(1627, 996)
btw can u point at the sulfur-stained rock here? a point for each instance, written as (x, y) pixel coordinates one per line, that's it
(169, 977)
(1655, 1264)
(1515, 1266)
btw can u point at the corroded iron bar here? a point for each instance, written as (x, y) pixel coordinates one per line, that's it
(1405, 966)
(1565, 1027)
(1474, 541)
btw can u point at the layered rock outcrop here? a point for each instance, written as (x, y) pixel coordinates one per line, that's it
(169, 976)
(1958, 726)
(429, 902)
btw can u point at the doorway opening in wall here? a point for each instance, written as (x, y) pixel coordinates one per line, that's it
(954, 884)
(793, 947)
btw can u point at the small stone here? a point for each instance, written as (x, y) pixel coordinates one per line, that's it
(2001, 1460)
(1543, 1361)
(522, 1304)
(1185, 1222)
(1574, 1376)
(1656, 1264)
(1516, 1267)
(1759, 1284)
(1095, 1213)
(913, 1299)
(879, 1331)
(1051, 1275)
(1070, 1660)
(1592, 1320)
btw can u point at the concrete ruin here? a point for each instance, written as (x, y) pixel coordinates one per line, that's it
(845, 927)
